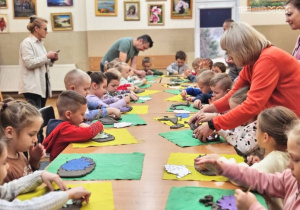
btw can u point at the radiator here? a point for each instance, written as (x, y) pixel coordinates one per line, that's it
(9, 77)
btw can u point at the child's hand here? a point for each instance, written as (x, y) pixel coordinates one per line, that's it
(48, 178)
(251, 159)
(35, 155)
(204, 117)
(79, 193)
(212, 100)
(127, 99)
(187, 72)
(144, 81)
(210, 163)
(176, 72)
(197, 104)
(244, 200)
(134, 96)
(190, 98)
(149, 72)
(84, 125)
(183, 94)
(206, 157)
(111, 111)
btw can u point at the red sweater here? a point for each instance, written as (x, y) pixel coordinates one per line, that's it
(123, 87)
(66, 133)
(274, 80)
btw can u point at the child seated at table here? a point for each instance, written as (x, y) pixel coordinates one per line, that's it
(283, 185)
(146, 63)
(199, 65)
(179, 65)
(80, 82)
(71, 107)
(111, 64)
(203, 93)
(124, 69)
(96, 93)
(218, 67)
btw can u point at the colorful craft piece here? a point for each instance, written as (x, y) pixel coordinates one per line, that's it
(227, 202)
(176, 98)
(148, 92)
(187, 159)
(179, 120)
(122, 136)
(101, 195)
(142, 99)
(179, 171)
(145, 86)
(186, 108)
(139, 110)
(175, 92)
(187, 198)
(76, 167)
(134, 119)
(103, 137)
(108, 165)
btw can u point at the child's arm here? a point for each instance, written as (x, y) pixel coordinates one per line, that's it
(172, 68)
(35, 155)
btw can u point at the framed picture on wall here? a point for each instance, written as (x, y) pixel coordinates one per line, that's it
(4, 23)
(181, 9)
(156, 14)
(61, 21)
(266, 4)
(24, 9)
(131, 10)
(3, 4)
(59, 3)
(106, 7)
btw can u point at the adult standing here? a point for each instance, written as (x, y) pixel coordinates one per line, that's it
(34, 63)
(272, 74)
(127, 49)
(292, 14)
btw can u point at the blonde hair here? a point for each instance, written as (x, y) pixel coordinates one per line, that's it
(111, 64)
(120, 66)
(35, 21)
(116, 72)
(75, 77)
(243, 43)
(205, 77)
(294, 132)
(195, 63)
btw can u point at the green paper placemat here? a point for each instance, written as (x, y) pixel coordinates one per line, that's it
(187, 198)
(108, 166)
(139, 101)
(184, 138)
(145, 86)
(151, 77)
(190, 108)
(130, 118)
(175, 92)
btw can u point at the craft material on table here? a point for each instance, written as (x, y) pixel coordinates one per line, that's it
(122, 124)
(187, 198)
(148, 92)
(143, 109)
(185, 108)
(108, 165)
(76, 167)
(143, 99)
(175, 92)
(187, 159)
(145, 86)
(103, 137)
(176, 98)
(151, 77)
(179, 171)
(180, 120)
(101, 195)
(184, 138)
(134, 119)
(122, 136)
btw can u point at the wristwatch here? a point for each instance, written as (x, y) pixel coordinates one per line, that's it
(211, 125)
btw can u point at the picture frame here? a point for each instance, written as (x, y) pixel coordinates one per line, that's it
(181, 9)
(59, 3)
(131, 10)
(106, 7)
(3, 4)
(4, 27)
(156, 14)
(24, 9)
(62, 21)
(261, 5)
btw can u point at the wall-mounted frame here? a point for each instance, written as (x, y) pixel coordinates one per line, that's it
(131, 10)
(181, 9)
(258, 5)
(62, 21)
(106, 7)
(156, 14)
(24, 9)
(59, 3)
(4, 24)
(3, 4)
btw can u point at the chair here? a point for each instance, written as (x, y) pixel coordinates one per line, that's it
(47, 114)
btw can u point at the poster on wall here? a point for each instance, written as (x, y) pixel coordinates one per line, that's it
(131, 10)
(59, 3)
(156, 14)
(106, 8)
(24, 9)
(181, 9)
(3, 4)
(61, 21)
(3, 23)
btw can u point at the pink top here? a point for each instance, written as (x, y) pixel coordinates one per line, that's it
(281, 185)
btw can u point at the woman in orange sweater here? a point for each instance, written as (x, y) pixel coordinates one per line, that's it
(272, 74)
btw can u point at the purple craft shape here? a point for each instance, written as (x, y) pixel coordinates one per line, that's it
(227, 202)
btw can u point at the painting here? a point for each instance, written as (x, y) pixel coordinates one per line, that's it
(181, 9)
(61, 21)
(156, 14)
(266, 4)
(106, 7)
(59, 3)
(3, 24)
(23, 9)
(3, 4)
(131, 10)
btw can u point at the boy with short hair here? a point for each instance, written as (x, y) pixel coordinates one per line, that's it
(220, 85)
(179, 65)
(69, 127)
(199, 65)
(218, 67)
(146, 62)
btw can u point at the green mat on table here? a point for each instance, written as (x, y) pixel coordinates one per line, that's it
(151, 77)
(108, 166)
(175, 92)
(184, 138)
(145, 86)
(130, 118)
(139, 101)
(187, 198)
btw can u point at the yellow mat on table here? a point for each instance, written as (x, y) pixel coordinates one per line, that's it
(187, 159)
(101, 195)
(176, 98)
(181, 121)
(148, 92)
(122, 136)
(139, 110)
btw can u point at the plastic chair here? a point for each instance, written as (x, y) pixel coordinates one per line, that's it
(47, 114)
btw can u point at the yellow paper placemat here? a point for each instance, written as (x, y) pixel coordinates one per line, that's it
(182, 121)
(176, 98)
(188, 159)
(148, 92)
(139, 110)
(101, 195)
(122, 136)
